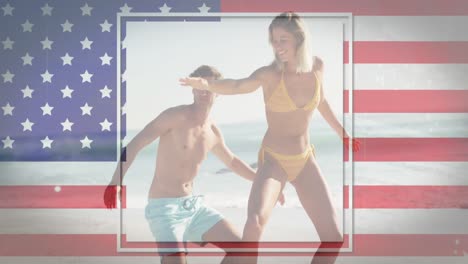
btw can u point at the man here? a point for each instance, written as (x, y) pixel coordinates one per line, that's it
(186, 136)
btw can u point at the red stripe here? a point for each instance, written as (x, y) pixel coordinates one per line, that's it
(364, 197)
(106, 245)
(411, 197)
(357, 7)
(408, 51)
(311, 245)
(43, 196)
(411, 149)
(407, 101)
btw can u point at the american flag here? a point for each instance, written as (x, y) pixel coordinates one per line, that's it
(59, 97)
(59, 103)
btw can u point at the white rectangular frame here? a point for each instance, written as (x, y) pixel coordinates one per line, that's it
(348, 171)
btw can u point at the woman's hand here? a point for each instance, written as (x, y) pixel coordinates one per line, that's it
(110, 195)
(195, 82)
(281, 198)
(355, 144)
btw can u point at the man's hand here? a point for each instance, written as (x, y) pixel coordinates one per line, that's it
(195, 82)
(355, 144)
(110, 196)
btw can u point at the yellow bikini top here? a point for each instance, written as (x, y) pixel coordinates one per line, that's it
(280, 101)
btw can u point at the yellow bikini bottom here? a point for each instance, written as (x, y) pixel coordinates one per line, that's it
(291, 164)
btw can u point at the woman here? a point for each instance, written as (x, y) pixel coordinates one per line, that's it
(292, 91)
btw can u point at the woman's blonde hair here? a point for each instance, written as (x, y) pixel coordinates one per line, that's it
(294, 24)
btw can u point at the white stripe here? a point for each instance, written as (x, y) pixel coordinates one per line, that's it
(410, 221)
(366, 173)
(366, 221)
(59, 221)
(410, 28)
(63, 173)
(410, 173)
(408, 76)
(404, 125)
(216, 259)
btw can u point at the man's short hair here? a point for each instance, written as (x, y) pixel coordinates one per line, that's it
(205, 71)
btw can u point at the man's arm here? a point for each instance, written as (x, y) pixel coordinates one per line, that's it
(229, 159)
(156, 128)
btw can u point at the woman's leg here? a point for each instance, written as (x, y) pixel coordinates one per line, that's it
(315, 197)
(266, 188)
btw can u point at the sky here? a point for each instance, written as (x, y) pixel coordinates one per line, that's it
(159, 53)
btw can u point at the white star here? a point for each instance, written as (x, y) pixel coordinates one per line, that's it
(105, 92)
(204, 8)
(47, 142)
(86, 109)
(67, 59)
(125, 10)
(8, 43)
(124, 76)
(47, 10)
(105, 59)
(86, 77)
(8, 77)
(124, 43)
(46, 43)
(124, 109)
(86, 43)
(105, 125)
(27, 60)
(165, 8)
(67, 125)
(46, 109)
(47, 77)
(67, 92)
(8, 109)
(106, 26)
(8, 10)
(86, 10)
(27, 92)
(27, 125)
(86, 142)
(67, 26)
(27, 26)
(7, 142)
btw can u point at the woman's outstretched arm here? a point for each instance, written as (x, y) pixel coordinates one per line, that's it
(228, 86)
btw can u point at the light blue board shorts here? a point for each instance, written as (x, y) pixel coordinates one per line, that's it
(179, 220)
